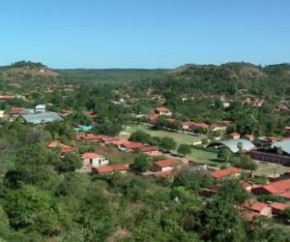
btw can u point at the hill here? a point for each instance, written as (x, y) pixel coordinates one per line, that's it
(27, 70)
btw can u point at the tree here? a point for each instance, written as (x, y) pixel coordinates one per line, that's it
(167, 143)
(142, 163)
(240, 147)
(140, 136)
(225, 154)
(70, 162)
(184, 149)
(219, 221)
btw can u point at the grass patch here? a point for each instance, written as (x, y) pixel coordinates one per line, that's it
(115, 156)
(205, 157)
(180, 138)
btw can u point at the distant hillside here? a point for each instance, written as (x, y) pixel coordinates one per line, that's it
(27, 70)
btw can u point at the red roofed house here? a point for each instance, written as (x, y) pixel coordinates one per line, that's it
(280, 188)
(150, 150)
(131, 146)
(94, 159)
(165, 165)
(87, 137)
(109, 169)
(258, 208)
(231, 171)
(64, 149)
(6, 97)
(192, 126)
(278, 208)
(163, 111)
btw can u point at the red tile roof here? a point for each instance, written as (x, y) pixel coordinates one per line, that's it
(218, 174)
(161, 110)
(132, 145)
(90, 155)
(166, 163)
(161, 174)
(279, 206)
(281, 188)
(148, 148)
(88, 137)
(255, 206)
(64, 149)
(111, 168)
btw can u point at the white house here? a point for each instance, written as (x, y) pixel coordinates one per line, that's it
(40, 108)
(94, 159)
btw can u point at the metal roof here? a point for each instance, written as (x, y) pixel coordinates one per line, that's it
(232, 144)
(284, 144)
(38, 118)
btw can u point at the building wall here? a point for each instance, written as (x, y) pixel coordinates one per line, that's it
(270, 157)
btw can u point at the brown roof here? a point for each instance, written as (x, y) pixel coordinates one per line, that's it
(281, 188)
(166, 163)
(162, 110)
(63, 148)
(279, 206)
(90, 155)
(111, 168)
(218, 174)
(148, 148)
(132, 145)
(255, 206)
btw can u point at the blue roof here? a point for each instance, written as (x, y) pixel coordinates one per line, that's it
(83, 128)
(38, 118)
(232, 144)
(284, 144)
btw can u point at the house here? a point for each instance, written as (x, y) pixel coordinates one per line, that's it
(234, 135)
(110, 169)
(131, 146)
(258, 208)
(94, 159)
(278, 208)
(40, 108)
(165, 165)
(228, 172)
(149, 150)
(279, 188)
(193, 126)
(162, 111)
(6, 97)
(40, 118)
(64, 149)
(87, 137)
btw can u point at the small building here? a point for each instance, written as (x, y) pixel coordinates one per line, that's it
(94, 159)
(165, 165)
(279, 188)
(64, 149)
(228, 172)
(278, 208)
(233, 144)
(131, 146)
(40, 108)
(163, 111)
(87, 137)
(40, 118)
(110, 169)
(258, 208)
(150, 150)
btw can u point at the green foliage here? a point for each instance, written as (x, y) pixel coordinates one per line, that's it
(184, 149)
(142, 163)
(224, 154)
(69, 162)
(167, 143)
(244, 162)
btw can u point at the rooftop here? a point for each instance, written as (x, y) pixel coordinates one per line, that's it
(166, 163)
(218, 174)
(38, 118)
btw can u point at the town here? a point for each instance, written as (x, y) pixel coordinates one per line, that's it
(197, 148)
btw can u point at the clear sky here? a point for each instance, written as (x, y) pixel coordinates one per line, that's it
(144, 34)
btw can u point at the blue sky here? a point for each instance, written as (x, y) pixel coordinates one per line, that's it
(144, 34)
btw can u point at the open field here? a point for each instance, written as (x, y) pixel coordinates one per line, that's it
(115, 156)
(180, 138)
(267, 168)
(205, 157)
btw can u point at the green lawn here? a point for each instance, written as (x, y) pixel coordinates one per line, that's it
(268, 168)
(205, 157)
(179, 138)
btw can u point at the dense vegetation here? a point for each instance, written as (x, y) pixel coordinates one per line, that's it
(43, 198)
